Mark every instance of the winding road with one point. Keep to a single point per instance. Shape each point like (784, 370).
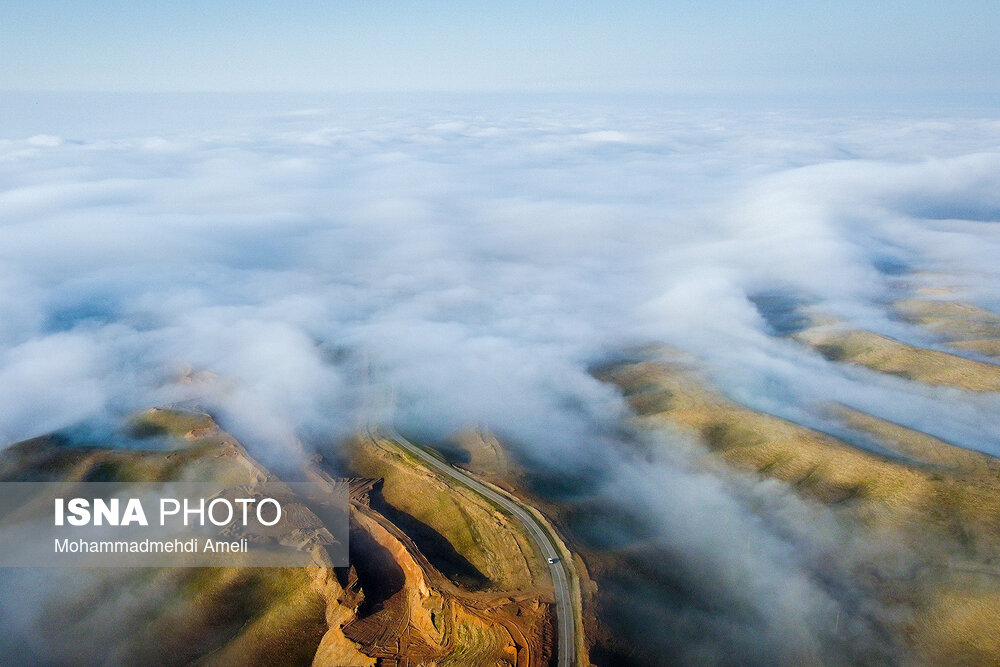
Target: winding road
(566, 650)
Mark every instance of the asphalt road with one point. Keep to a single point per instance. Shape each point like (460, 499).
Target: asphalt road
(566, 650)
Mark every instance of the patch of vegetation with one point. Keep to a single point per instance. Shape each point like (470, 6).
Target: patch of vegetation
(887, 355)
(172, 616)
(940, 502)
(174, 423)
(434, 507)
(966, 325)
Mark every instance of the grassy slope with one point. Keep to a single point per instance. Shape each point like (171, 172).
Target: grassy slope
(942, 501)
(217, 616)
(968, 327)
(887, 355)
(492, 542)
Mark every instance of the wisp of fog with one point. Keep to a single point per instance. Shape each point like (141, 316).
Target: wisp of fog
(259, 258)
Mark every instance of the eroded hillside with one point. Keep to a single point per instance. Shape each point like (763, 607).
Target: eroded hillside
(483, 601)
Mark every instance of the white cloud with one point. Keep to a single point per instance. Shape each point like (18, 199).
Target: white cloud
(483, 258)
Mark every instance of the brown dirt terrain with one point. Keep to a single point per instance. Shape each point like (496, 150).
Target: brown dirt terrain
(480, 544)
(494, 605)
(489, 460)
(392, 606)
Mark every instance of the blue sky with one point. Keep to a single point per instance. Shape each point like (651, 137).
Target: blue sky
(686, 45)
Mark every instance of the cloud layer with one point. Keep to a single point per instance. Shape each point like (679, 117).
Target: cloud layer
(481, 256)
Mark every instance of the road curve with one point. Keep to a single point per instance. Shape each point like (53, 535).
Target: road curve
(566, 649)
